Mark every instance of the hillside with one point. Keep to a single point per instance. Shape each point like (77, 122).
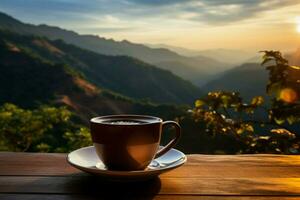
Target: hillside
(125, 75)
(210, 68)
(193, 67)
(24, 81)
(249, 79)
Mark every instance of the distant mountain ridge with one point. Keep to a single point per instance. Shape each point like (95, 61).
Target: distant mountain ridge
(180, 50)
(200, 76)
(91, 42)
(195, 69)
(229, 57)
(248, 79)
(125, 75)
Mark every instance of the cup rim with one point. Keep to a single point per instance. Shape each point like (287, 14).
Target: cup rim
(95, 120)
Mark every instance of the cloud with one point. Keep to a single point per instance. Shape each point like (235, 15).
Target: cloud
(212, 11)
(125, 14)
(235, 10)
(189, 23)
(158, 2)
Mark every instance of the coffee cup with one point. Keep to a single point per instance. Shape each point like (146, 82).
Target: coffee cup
(130, 142)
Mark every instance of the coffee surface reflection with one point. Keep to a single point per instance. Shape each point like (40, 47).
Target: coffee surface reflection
(124, 122)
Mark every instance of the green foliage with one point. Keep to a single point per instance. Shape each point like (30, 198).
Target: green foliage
(43, 129)
(226, 113)
(77, 139)
(216, 105)
(284, 83)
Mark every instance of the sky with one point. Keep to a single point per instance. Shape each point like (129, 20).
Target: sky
(194, 24)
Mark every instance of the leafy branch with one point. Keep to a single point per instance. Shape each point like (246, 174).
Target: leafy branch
(226, 112)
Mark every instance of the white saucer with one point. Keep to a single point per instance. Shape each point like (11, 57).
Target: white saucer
(87, 160)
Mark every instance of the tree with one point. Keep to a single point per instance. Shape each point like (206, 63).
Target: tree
(259, 127)
(43, 129)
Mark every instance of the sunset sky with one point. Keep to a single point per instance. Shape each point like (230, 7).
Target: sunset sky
(194, 24)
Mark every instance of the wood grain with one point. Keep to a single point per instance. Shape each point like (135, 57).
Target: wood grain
(204, 186)
(208, 166)
(158, 197)
(207, 177)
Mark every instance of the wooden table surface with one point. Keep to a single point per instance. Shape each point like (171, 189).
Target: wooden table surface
(206, 177)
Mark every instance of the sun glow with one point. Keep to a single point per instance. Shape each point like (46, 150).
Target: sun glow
(288, 95)
(298, 24)
(298, 27)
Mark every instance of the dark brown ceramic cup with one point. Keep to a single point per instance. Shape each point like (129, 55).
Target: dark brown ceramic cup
(129, 142)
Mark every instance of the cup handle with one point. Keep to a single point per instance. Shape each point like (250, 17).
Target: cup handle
(173, 142)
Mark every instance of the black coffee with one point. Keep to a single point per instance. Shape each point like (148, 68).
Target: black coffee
(124, 122)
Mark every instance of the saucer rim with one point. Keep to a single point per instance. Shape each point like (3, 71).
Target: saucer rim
(106, 172)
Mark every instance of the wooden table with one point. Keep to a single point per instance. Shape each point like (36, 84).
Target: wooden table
(205, 177)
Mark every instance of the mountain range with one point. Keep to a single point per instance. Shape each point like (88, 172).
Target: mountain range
(248, 79)
(28, 80)
(211, 77)
(197, 69)
(229, 57)
(121, 74)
